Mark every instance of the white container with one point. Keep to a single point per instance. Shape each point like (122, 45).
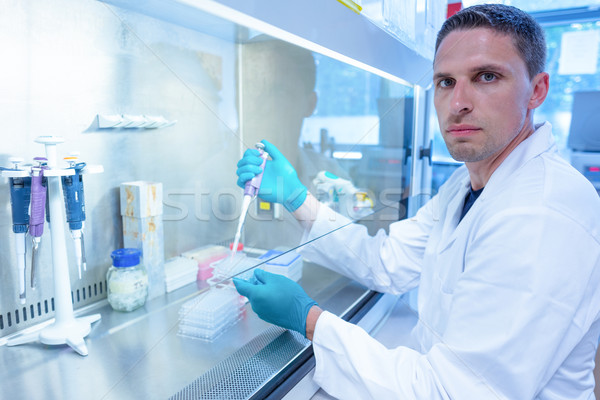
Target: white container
(180, 271)
(127, 281)
(288, 264)
(141, 199)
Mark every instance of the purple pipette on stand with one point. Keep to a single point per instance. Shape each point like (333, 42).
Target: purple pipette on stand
(250, 192)
(38, 209)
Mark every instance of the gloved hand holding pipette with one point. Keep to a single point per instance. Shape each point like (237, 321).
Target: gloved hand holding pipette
(280, 183)
(251, 188)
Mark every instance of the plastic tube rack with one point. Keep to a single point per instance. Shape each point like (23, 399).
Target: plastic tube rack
(66, 329)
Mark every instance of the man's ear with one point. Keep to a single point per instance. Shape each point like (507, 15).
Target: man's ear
(311, 104)
(540, 84)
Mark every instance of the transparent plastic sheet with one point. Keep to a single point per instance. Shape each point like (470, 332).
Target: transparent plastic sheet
(218, 306)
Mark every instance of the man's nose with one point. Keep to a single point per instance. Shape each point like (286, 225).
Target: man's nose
(461, 101)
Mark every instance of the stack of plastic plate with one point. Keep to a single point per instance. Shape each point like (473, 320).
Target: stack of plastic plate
(207, 316)
(180, 271)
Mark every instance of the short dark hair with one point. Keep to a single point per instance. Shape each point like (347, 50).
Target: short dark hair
(527, 34)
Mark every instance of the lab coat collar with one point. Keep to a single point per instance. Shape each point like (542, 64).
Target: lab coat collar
(454, 210)
(539, 142)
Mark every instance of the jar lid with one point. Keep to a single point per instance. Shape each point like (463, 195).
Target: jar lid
(126, 257)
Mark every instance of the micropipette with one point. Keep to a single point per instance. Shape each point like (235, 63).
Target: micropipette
(38, 208)
(20, 192)
(250, 192)
(75, 207)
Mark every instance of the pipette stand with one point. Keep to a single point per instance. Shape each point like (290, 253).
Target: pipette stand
(66, 329)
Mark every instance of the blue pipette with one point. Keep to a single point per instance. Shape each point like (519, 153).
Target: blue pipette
(75, 208)
(20, 193)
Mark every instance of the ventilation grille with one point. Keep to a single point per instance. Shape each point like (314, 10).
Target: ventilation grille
(30, 314)
(245, 371)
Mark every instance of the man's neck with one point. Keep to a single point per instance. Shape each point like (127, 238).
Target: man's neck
(481, 171)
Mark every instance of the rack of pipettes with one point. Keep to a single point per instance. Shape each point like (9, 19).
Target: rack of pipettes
(36, 192)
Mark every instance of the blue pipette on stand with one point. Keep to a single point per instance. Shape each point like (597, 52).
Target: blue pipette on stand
(20, 193)
(75, 208)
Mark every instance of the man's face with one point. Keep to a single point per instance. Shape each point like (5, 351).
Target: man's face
(482, 92)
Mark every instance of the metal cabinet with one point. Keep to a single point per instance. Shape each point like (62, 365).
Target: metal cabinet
(333, 92)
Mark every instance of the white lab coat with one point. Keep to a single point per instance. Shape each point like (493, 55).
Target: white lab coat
(509, 299)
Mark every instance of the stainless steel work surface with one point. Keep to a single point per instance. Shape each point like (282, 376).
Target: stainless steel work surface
(139, 354)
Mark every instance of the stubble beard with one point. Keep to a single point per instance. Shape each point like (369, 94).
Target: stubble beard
(467, 151)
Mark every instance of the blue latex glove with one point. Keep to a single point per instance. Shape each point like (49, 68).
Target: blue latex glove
(277, 299)
(280, 183)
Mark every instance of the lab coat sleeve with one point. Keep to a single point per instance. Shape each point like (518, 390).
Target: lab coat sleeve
(350, 364)
(514, 309)
(386, 263)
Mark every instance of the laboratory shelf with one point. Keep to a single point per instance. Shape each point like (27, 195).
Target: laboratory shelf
(334, 30)
(140, 355)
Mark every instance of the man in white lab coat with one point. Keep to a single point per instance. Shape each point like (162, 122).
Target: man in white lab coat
(506, 255)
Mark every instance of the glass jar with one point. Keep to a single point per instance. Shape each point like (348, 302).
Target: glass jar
(127, 280)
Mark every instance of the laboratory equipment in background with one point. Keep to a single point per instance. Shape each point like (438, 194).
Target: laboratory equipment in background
(126, 280)
(141, 210)
(38, 211)
(584, 135)
(250, 192)
(66, 329)
(342, 196)
(118, 121)
(267, 211)
(588, 163)
(20, 196)
(75, 208)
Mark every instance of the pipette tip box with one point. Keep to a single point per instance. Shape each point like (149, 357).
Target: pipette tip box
(179, 271)
(288, 264)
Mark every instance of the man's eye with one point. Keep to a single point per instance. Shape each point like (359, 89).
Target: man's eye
(446, 82)
(488, 77)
